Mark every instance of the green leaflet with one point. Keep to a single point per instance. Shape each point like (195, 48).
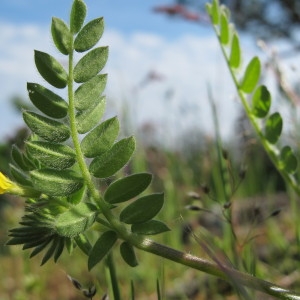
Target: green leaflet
(142, 209)
(51, 155)
(19, 176)
(150, 228)
(78, 196)
(261, 102)
(89, 35)
(50, 69)
(235, 53)
(288, 160)
(91, 64)
(101, 248)
(251, 76)
(273, 128)
(89, 92)
(114, 159)
(76, 220)
(77, 16)
(61, 36)
(46, 101)
(224, 29)
(56, 183)
(89, 118)
(127, 253)
(48, 129)
(83, 243)
(18, 158)
(215, 13)
(127, 188)
(101, 138)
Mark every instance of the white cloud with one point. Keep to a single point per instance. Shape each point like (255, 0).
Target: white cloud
(17, 67)
(187, 65)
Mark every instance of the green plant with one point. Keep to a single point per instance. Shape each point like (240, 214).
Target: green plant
(70, 149)
(268, 127)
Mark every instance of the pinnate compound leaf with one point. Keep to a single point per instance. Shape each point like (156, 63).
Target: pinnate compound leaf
(151, 227)
(56, 183)
(261, 102)
(48, 129)
(101, 138)
(142, 209)
(55, 156)
(61, 35)
(127, 253)
(251, 76)
(288, 160)
(235, 53)
(46, 101)
(101, 248)
(91, 64)
(128, 187)
(89, 118)
(89, 92)
(224, 29)
(76, 220)
(78, 14)
(273, 128)
(89, 35)
(114, 159)
(50, 69)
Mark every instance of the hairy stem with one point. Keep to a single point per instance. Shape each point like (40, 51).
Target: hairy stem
(217, 269)
(95, 194)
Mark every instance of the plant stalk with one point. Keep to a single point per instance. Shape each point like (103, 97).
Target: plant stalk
(217, 269)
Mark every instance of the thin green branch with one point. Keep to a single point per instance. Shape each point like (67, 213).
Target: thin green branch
(220, 270)
(271, 150)
(113, 276)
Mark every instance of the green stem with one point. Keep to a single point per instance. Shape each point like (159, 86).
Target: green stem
(113, 221)
(113, 276)
(217, 269)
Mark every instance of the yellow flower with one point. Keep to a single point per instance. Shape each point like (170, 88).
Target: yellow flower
(9, 187)
(5, 184)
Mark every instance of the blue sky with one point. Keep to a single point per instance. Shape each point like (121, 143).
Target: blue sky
(185, 54)
(126, 16)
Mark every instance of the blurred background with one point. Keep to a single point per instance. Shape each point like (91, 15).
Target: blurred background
(170, 87)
